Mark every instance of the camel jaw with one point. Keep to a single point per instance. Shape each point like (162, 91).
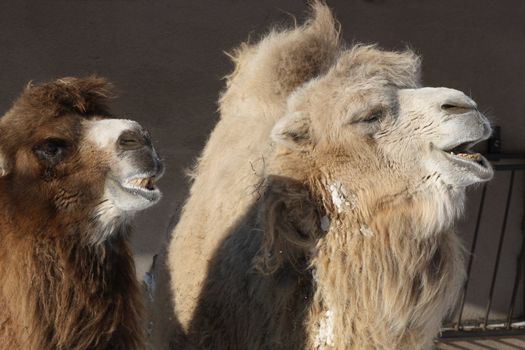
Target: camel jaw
(461, 156)
(134, 193)
(143, 186)
(475, 163)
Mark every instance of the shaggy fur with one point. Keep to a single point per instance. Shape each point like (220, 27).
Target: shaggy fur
(338, 234)
(255, 99)
(57, 289)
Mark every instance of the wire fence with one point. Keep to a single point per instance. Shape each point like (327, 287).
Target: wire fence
(509, 320)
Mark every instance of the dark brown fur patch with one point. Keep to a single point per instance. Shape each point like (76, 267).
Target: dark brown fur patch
(86, 96)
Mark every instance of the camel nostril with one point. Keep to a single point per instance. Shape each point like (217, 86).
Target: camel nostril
(457, 108)
(131, 140)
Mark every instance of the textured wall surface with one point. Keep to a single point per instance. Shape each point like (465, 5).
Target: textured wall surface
(166, 57)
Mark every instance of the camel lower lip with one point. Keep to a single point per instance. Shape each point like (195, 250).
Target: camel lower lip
(473, 162)
(143, 187)
(148, 194)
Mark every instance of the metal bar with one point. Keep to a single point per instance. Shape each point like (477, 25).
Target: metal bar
(519, 272)
(517, 279)
(500, 245)
(449, 334)
(471, 258)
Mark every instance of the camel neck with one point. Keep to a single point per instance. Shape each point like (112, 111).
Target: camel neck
(74, 295)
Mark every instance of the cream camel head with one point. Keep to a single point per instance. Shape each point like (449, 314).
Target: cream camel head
(381, 137)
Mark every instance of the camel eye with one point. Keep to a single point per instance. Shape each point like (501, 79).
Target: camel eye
(374, 116)
(51, 151)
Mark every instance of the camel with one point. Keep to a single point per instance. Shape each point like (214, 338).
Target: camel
(322, 209)
(71, 179)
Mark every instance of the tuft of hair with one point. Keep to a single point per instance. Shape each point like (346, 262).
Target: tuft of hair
(285, 59)
(400, 68)
(84, 96)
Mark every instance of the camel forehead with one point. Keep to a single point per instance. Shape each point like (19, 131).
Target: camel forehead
(343, 101)
(355, 83)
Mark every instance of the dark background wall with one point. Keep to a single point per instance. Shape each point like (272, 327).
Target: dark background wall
(167, 59)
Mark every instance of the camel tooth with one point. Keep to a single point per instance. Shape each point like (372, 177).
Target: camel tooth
(148, 182)
(470, 156)
(135, 182)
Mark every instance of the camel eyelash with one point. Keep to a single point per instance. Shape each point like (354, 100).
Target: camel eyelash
(374, 116)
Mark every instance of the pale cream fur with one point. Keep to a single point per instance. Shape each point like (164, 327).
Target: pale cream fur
(322, 209)
(254, 100)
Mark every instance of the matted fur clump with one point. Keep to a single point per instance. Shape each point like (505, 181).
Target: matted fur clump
(67, 279)
(322, 209)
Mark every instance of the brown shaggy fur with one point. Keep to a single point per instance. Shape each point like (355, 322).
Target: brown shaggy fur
(57, 290)
(336, 234)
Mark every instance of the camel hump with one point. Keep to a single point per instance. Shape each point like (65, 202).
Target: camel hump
(272, 68)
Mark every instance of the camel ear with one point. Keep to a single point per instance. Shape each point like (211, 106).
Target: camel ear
(293, 130)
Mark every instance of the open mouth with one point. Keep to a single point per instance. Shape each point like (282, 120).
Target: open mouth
(144, 186)
(147, 183)
(463, 151)
(470, 160)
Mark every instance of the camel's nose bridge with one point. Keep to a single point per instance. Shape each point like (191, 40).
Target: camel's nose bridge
(439, 101)
(117, 134)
